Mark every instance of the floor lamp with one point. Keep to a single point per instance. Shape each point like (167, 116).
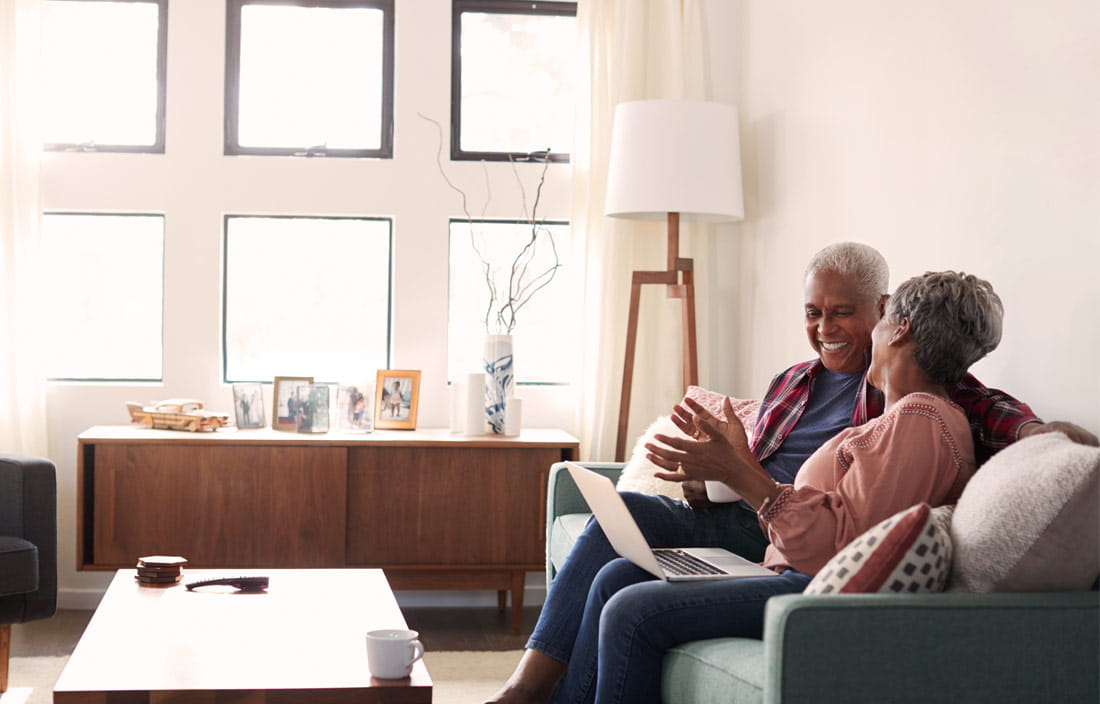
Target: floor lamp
(671, 160)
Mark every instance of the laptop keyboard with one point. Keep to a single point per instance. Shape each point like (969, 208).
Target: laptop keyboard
(681, 563)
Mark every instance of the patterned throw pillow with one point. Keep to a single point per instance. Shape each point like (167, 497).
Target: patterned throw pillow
(908, 553)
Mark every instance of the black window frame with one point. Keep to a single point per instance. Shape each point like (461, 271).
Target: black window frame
(503, 7)
(232, 146)
(158, 145)
(226, 217)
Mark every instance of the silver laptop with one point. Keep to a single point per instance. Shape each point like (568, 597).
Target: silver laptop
(671, 564)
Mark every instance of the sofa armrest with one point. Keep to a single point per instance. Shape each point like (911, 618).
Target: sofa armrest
(933, 648)
(563, 497)
(28, 511)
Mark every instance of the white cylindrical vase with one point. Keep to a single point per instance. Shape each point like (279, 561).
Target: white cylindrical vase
(473, 412)
(513, 416)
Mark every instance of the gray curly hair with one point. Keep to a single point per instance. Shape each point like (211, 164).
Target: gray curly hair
(859, 261)
(955, 319)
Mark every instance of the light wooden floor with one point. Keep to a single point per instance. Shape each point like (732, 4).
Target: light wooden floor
(441, 628)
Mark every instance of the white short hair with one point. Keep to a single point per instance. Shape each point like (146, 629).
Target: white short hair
(861, 262)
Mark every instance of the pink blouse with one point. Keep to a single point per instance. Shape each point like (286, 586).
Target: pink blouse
(919, 451)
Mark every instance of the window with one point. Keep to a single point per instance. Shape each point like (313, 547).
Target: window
(309, 78)
(306, 297)
(104, 80)
(497, 245)
(104, 298)
(512, 79)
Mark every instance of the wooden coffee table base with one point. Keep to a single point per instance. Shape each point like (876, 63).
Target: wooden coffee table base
(302, 641)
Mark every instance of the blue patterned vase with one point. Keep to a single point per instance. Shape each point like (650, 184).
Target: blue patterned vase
(500, 380)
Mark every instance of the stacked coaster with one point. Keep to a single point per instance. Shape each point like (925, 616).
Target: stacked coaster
(159, 570)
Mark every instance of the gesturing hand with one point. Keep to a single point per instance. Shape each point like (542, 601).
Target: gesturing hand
(695, 493)
(1074, 432)
(714, 453)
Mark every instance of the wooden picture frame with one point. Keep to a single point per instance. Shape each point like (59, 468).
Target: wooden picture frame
(248, 405)
(396, 399)
(284, 397)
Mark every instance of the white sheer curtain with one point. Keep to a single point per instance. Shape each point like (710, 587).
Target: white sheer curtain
(22, 383)
(633, 50)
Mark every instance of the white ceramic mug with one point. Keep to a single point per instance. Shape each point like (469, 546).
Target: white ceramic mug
(391, 652)
(720, 493)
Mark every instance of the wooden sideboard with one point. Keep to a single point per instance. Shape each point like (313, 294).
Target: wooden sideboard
(434, 510)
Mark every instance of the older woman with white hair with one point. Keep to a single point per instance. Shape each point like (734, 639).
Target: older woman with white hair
(919, 451)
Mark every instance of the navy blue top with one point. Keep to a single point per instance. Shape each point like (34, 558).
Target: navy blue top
(828, 411)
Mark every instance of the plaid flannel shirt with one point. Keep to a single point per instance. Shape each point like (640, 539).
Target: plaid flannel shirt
(995, 417)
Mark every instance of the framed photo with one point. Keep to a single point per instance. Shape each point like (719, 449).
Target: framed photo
(396, 397)
(311, 412)
(354, 408)
(284, 402)
(248, 405)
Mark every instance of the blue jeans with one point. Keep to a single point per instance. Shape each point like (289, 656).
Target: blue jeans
(631, 619)
(665, 523)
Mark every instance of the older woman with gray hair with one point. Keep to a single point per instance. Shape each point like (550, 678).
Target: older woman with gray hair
(920, 450)
(845, 286)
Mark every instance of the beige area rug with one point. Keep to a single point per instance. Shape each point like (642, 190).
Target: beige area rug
(31, 680)
(466, 677)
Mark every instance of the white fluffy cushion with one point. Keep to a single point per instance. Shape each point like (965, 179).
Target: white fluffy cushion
(908, 553)
(637, 475)
(1028, 520)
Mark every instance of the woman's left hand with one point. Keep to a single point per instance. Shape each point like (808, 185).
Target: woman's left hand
(714, 454)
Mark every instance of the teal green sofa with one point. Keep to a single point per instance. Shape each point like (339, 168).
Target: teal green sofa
(972, 648)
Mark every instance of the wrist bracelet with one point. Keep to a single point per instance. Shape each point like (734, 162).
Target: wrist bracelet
(767, 502)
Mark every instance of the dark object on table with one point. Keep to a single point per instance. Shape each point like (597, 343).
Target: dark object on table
(244, 584)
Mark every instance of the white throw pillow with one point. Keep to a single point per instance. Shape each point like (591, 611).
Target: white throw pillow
(1028, 520)
(637, 475)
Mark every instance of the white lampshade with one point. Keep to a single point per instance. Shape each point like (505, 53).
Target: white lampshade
(675, 156)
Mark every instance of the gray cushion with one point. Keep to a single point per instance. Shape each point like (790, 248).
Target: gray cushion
(717, 670)
(18, 566)
(1029, 520)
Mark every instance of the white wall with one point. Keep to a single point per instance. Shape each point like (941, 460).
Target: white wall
(946, 134)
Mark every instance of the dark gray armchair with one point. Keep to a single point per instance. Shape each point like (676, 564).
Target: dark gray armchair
(28, 546)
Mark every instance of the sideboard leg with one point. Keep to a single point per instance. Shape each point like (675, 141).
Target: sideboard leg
(518, 580)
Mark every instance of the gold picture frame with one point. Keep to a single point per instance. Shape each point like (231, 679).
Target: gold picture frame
(396, 399)
(284, 397)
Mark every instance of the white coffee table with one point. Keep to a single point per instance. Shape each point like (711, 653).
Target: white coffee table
(301, 641)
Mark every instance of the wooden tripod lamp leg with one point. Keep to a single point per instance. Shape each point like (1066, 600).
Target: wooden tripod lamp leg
(628, 367)
(691, 346)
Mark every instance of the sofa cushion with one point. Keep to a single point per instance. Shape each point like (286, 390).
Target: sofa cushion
(565, 532)
(18, 566)
(716, 670)
(1028, 520)
(908, 553)
(638, 473)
